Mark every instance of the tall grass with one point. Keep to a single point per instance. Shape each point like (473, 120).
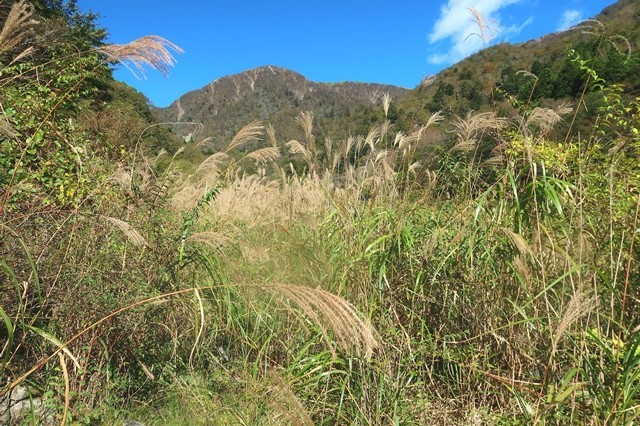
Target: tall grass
(492, 302)
(493, 282)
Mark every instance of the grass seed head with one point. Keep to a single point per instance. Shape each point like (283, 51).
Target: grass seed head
(132, 234)
(250, 132)
(153, 51)
(17, 26)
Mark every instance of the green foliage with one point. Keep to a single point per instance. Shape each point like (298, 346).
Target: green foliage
(44, 155)
(61, 108)
(499, 270)
(613, 385)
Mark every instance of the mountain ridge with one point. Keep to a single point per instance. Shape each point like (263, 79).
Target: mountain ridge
(251, 76)
(268, 93)
(538, 70)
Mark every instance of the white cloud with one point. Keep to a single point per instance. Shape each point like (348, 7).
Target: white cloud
(438, 58)
(516, 29)
(570, 17)
(457, 26)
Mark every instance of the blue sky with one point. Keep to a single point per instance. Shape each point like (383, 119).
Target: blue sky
(394, 41)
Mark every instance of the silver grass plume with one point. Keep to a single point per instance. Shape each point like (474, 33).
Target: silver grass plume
(17, 26)
(154, 51)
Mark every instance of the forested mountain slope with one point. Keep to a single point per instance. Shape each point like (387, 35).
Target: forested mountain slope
(539, 70)
(271, 94)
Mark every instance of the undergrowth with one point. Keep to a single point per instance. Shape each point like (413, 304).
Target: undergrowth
(494, 281)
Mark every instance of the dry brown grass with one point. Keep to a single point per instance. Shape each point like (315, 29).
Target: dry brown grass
(385, 127)
(473, 127)
(212, 238)
(187, 191)
(271, 135)
(17, 26)
(307, 148)
(581, 303)
(253, 254)
(250, 132)
(153, 51)
(131, 233)
(259, 199)
(518, 242)
(386, 102)
(187, 197)
(329, 312)
(6, 129)
(546, 119)
(211, 163)
(371, 140)
(264, 155)
(486, 31)
(332, 313)
(296, 147)
(204, 143)
(254, 199)
(285, 402)
(67, 396)
(305, 120)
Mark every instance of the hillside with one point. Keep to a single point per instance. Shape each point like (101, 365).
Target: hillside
(540, 69)
(268, 93)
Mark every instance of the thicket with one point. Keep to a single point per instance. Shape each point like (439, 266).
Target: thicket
(403, 276)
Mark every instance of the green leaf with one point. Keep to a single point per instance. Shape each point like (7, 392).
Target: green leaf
(6, 349)
(54, 340)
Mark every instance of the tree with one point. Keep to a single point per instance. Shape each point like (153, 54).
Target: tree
(472, 91)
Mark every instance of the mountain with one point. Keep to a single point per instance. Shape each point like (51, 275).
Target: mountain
(536, 72)
(271, 94)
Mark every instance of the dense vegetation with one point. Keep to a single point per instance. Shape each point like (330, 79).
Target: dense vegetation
(271, 93)
(487, 274)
